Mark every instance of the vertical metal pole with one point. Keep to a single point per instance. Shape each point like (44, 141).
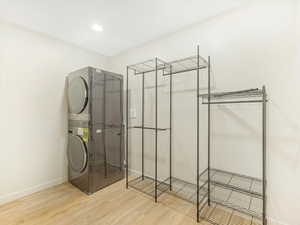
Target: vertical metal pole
(127, 125)
(143, 123)
(171, 89)
(156, 129)
(208, 141)
(198, 65)
(121, 122)
(104, 127)
(264, 153)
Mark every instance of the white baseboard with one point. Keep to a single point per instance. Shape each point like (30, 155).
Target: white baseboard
(272, 221)
(133, 172)
(19, 194)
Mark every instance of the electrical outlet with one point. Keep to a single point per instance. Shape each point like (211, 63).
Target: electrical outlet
(132, 113)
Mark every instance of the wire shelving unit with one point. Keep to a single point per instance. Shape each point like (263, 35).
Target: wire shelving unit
(213, 188)
(180, 188)
(148, 185)
(234, 191)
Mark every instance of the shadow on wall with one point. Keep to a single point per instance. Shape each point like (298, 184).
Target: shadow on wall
(289, 136)
(235, 116)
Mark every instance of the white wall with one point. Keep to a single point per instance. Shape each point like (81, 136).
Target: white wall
(250, 46)
(33, 113)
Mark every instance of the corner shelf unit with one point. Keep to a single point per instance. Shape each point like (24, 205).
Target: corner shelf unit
(237, 192)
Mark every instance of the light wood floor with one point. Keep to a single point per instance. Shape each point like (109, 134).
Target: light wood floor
(115, 205)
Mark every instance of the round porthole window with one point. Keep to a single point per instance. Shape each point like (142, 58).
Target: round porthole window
(77, 153)
(77, 95)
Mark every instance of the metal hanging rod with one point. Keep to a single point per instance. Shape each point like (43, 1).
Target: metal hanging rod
(248, 93)
(233, 102)
(150, 128)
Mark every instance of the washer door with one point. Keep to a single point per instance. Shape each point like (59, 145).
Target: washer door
(77, 95)
(77, 153)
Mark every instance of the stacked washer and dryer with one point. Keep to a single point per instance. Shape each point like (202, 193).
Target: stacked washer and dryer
(95, 140)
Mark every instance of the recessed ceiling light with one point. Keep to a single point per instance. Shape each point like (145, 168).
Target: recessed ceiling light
(97, 27)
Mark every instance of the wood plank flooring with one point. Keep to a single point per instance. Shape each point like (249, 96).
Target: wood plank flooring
(114, 205)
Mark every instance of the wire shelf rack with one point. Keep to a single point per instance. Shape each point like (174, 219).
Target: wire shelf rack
(236, 193)
(185, 65)
(148, 66)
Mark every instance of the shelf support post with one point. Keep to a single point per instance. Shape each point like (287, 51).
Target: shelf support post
(209, 132)
(143, 122)
(171, 90)
(121, 125)
(264, 153)
(198, 99)
(104, 127)
(156, 133)
(127, 125)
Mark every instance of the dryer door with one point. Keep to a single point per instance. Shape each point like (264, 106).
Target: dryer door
(77, 153)
(77, 95)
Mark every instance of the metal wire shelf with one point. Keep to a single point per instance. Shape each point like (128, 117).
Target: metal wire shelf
(235, 191)
(233, 181)
(173, 67)
(183, 190)
(146, 185)
(235, 202)
(216, 214)
(185, 65)
(147, 66)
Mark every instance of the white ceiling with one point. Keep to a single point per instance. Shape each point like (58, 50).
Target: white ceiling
(126, 23)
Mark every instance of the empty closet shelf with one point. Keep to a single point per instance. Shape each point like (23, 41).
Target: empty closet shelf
(147, 66)
(146, 185)
(237, 182)
(185, 65)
